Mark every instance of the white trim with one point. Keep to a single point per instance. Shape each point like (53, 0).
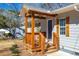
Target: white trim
(47, 30)
(59, 26)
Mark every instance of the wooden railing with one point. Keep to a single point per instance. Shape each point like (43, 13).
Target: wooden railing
(56, 40)
(39, 43)
(55, 46)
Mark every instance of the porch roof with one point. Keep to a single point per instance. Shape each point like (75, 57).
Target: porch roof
(40, 12)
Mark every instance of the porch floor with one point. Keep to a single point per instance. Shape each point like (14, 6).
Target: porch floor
(59, 53)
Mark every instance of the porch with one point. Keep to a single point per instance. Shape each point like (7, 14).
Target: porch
(37, 41)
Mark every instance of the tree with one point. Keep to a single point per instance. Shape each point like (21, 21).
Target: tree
(9, 20)
(17, 21)
(3, 21)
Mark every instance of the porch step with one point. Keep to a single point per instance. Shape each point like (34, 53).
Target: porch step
(51, 51)
(53, 47)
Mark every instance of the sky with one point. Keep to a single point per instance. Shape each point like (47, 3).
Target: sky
(18, 6)
(13, 6)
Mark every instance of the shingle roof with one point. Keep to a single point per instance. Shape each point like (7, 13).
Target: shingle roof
(47, 6)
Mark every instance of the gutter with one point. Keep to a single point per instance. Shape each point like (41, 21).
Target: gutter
(65, 9)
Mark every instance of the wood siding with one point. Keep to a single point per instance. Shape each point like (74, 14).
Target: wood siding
(67, 26)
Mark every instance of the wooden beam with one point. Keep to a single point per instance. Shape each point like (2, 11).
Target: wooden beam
(26, 25)
(57, 32)
(41, 13)
(37, 16)
(33, 25)
(39, 40)
(57, 25)
(67, 32)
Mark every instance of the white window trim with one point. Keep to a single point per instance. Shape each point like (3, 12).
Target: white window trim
(62, 26)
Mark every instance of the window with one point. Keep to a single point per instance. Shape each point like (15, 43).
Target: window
(62, 26)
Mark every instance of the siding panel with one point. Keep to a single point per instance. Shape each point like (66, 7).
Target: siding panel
(71, 42)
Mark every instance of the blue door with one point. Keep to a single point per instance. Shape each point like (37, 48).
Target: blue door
(49, 29)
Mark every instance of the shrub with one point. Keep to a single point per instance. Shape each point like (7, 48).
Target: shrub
(14, 50)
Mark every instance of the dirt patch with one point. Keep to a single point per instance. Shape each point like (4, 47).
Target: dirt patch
(6, 44)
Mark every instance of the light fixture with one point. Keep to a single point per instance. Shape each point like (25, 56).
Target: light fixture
(48, 11)
(76, 8)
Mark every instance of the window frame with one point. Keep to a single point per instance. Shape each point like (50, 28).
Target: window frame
(62, 26)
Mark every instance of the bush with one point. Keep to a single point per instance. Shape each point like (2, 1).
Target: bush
(14, 50)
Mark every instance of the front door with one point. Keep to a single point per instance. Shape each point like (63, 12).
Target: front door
(50, 29)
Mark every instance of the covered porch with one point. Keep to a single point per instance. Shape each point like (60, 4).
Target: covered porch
(37, 41)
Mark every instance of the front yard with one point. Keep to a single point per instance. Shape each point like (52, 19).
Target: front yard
(5, 46)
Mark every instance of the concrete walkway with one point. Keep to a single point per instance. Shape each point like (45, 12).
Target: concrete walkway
(60, 53)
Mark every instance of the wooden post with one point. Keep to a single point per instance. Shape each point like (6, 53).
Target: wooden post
(56, 40)
(33, 25)
(57, 32)
(67, 32)
(39, 40)
(42, 43)
(26, 25)
(57, 25)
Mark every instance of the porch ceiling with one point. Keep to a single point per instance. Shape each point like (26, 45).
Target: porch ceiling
(38, 12)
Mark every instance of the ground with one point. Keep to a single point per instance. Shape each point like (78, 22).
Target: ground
(6, 44)
(60, 53)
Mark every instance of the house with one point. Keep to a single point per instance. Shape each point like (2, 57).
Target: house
(59, 26)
